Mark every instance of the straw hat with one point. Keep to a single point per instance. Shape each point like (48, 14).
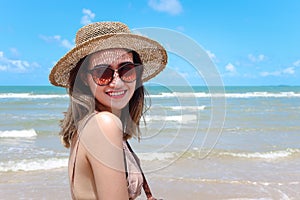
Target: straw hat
(106, 35)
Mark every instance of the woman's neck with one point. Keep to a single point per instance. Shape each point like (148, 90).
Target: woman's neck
(116, 112)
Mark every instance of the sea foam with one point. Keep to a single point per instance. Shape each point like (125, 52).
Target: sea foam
(166, 95)
(157, 156)
(227, 95)
(271, 155)
(173, 118)
(33, 164)
(18, 133)
(30, 96)
(188, 107)
(54, 163)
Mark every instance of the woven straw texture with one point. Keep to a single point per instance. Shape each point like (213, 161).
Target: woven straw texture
(106, 35)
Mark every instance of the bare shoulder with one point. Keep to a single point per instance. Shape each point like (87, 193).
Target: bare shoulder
(102, 142)
(102, 129)
(107, 119)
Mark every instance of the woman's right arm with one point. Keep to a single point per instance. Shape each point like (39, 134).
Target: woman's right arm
(103, 140)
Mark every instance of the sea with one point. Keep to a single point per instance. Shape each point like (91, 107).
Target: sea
(233, 142)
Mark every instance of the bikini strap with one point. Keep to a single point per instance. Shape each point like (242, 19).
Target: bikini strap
(145, 184)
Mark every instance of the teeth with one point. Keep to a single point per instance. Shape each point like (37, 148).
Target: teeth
(116, 93)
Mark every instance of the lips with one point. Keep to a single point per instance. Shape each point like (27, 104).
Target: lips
(116, 93)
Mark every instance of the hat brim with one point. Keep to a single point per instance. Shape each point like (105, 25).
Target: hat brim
(152, 54)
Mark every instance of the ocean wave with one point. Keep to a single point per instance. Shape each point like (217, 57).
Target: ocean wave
(18, 133)
(196, 153)
(33, 164)
(180, 94)
(262, 94)
(237, 182)
(175, 118)
(157, 156)
(187, 107)
(271, 155)
(166, 95)
(227, 95)
(31, 96)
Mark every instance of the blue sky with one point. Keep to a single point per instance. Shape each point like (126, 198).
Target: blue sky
(251, 42)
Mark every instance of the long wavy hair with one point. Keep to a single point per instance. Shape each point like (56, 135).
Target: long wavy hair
(83, 103)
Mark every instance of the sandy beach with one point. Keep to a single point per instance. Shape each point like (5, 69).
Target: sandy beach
(184, 179)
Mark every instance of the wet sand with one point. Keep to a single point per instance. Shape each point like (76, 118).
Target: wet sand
(185, 179)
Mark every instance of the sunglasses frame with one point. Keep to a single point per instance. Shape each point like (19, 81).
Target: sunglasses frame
(115, 71)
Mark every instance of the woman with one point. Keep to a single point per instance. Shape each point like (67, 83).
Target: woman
(104, 74)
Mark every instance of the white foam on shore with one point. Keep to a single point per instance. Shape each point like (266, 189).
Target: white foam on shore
(33, 165)
(227, 95)
(156, 156)
(54, 163)
(18, 133)
(175, 118)
(271, 155)
(31, 96)
(188, 107)
(166, 95)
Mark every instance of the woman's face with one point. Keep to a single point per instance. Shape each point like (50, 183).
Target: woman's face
(117, 93)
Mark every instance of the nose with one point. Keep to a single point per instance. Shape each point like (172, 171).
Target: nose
(116, 82)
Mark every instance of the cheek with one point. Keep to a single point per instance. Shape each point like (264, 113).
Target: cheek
(100, 96)
(132, 87)
(94, 89)
(131, 90)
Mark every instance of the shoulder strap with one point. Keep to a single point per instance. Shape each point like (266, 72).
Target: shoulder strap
(145, 184)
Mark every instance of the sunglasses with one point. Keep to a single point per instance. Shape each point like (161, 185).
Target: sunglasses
(103, 74)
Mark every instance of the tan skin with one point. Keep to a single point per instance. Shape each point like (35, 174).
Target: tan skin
(100, 151)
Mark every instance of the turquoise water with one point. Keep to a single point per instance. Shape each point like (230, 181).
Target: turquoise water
(242, 131)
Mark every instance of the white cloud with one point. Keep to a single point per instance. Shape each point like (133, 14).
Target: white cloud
(19, 66)
(211, 55)
(258, 58)
(230, 68)
(288, 71)
(172, 7)
(87, 17)
(66, 43)
(296, 63)
(54, 38)
(14, 51)
(3, 68)
(275, 73)
(57, 39)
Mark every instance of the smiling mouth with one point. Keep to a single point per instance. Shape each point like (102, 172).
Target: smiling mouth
(116, 93)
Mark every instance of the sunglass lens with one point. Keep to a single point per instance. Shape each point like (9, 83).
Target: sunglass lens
(102, 75)
(127, 72)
